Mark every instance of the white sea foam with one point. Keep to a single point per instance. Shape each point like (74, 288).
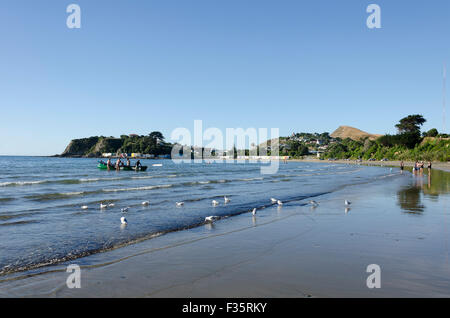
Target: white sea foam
(21, 183)
(139, 188)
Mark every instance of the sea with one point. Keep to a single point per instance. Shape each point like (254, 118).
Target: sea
(42, 222)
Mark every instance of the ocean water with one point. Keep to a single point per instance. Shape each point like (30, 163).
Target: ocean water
(42, 223)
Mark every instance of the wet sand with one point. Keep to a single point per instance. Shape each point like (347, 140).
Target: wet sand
(400, 223)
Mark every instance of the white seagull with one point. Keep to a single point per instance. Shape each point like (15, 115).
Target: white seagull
(145, 203)
(313, 203)
(123, 220)
(180, 203)
(226, 199)
(347, 202)
(84, 207)
(103, 206)
(211, 219)
(254, 211)
(111, 205)
(214, 202)
(279, 202)
(273, 200)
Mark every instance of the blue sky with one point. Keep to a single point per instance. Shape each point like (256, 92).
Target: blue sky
(143, 65)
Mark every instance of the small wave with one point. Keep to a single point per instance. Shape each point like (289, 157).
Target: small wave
(18, 223)
(21, 183)
(251, 179)
(89, 180)
(153, 177)
(75, 181)
(5, 217)
(139, 188)
(53, 196)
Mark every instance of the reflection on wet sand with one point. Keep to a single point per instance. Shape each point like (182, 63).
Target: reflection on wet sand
(409, 199)
(438, 183)
(431, 185)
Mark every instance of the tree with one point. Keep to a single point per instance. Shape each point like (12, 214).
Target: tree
(410, 124)
(432, 133)
(407, 139)
(156, 135)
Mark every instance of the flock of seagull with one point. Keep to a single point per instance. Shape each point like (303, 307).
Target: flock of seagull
(208, 219)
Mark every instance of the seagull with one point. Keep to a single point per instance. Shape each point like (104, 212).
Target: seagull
(123, 220)
(273, 200)
(103, 206)
(111, 205)
(211, 219)
(84, 207)
(180, 203)
(346, 210)
(254, 211)
(214, 202)
(125, 209)
(313, 203)
(226, 199)
(347, 202)
(145, 203)
(279, 202)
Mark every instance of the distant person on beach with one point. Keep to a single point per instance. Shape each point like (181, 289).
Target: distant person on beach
(108, 163)
(128, 162)
(429, 166)
(402, 166)
(421, 167)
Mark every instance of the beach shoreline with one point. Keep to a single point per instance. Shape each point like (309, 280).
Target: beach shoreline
(444, 166)
(290, 251)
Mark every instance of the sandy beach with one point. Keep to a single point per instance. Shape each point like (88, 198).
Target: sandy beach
(445, 166)
(399, 222)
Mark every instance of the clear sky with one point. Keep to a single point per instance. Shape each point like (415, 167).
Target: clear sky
(143, 65)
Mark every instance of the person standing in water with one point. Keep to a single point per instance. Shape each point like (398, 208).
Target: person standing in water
(402, 166)
(108, 163)
(128, 162)
(429, 175)
(138, 164)
(118, 164)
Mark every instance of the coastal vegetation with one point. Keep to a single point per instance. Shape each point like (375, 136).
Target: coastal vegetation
(344, 143)
(407, 144)
(152, 143)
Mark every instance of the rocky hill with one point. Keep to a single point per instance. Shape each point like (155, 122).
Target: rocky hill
(91, 147)
(344, 132)
(152, 143)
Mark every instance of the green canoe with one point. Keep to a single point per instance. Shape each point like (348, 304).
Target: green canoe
(103, 166)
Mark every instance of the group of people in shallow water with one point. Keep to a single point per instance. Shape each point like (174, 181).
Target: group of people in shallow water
(119, 164)
(418, 167)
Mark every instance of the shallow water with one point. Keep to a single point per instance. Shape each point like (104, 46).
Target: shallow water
(42, 223)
